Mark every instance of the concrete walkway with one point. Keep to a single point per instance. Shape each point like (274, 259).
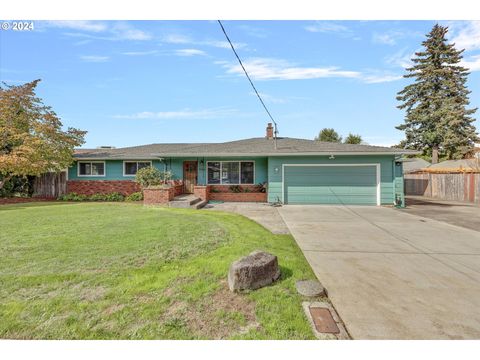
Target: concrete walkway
(392, 275)
(453, 212)
(262, 213)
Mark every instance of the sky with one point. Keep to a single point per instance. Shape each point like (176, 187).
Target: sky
(139, 82)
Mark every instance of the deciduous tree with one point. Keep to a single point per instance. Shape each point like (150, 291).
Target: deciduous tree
(32, 141)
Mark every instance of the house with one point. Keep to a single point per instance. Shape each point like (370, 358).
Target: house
(411, 165)
(455, 166)
(293, 171)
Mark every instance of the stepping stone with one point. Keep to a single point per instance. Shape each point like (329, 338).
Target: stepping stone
(310, 288)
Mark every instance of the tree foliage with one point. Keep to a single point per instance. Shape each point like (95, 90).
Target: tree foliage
(353, 139)
(329, 135)
(32, 141)
(437, 120)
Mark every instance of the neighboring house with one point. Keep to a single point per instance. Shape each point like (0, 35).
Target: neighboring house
(453, 166)
(411, 165)
(295, 171)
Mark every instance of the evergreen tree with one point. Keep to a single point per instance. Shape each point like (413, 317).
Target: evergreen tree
(437, 120)
(328, 135)
(353, 139)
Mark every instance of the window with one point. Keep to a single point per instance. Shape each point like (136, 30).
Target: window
(230, 172)
(130, 168)
(91, 168)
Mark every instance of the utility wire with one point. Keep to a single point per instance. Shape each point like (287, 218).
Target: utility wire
(251, 82)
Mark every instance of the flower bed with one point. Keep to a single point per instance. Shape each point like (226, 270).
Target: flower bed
(235, 193)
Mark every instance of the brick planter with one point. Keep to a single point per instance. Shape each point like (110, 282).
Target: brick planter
(202, 191)
(158, 196)
(238, 197)
(224, 193)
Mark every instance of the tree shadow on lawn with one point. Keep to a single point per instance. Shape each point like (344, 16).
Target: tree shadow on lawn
(33, 204)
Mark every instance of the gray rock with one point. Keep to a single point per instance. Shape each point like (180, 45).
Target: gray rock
(253, 271)
(310, 288)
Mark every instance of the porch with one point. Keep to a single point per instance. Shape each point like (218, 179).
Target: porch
(226, 180)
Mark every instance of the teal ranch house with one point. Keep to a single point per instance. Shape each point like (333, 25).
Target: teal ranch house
(263, 169)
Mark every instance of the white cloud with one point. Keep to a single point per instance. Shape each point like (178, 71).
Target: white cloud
(140, 53)
(387, 39)
(465, 34)
(472, 63)
(125, 31)
(189, 52)
(327, 27)
(179, 114)
(274, 69)
(81, 25)
(177, 39)
(380, 78)
(94, 58)
(402, 58)
(183, 39)
(114, 30)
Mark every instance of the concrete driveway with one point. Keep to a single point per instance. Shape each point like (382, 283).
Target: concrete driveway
(392, 275)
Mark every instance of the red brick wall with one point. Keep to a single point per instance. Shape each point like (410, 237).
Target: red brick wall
(90, 187)
(158, 196)
(202, 191)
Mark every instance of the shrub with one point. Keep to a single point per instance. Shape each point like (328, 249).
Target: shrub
(17, 186)
(235, 189)
(73, 197)
(136, 196)
(115, 196)
(95, 197)
(151, 176)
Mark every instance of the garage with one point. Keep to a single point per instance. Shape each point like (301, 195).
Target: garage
(339, 184)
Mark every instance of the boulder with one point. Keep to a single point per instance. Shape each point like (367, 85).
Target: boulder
(253, 271)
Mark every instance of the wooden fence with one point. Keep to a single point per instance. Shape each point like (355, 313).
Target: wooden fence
(449, 186)
(50, 185)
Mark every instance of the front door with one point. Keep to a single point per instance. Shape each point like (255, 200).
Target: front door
(189, 176)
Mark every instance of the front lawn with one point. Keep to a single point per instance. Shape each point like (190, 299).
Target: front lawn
(124, 271)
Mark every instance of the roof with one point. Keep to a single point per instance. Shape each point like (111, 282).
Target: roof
(455, 166)
(414, 164)
(250, 147)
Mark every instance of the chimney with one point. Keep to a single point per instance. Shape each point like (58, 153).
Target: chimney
(269, 134)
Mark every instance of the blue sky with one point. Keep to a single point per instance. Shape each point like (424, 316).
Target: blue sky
(139, 82)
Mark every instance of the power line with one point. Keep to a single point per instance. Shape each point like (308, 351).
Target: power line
(251, 82)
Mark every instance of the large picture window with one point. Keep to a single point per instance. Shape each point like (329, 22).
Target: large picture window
(230, 172)
(91, 168)
(130, 168)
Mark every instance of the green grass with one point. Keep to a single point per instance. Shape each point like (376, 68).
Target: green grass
(124, 271)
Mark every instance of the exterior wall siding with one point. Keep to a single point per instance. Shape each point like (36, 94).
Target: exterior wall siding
(387, 173)
(114, 168)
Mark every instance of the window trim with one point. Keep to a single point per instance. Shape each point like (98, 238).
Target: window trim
(239, 172)
(91, 162)
(133, 161)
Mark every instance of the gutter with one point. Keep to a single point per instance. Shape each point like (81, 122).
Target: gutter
(324, 153)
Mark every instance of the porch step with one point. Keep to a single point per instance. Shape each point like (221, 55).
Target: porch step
(200, 204)
(185, 201)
